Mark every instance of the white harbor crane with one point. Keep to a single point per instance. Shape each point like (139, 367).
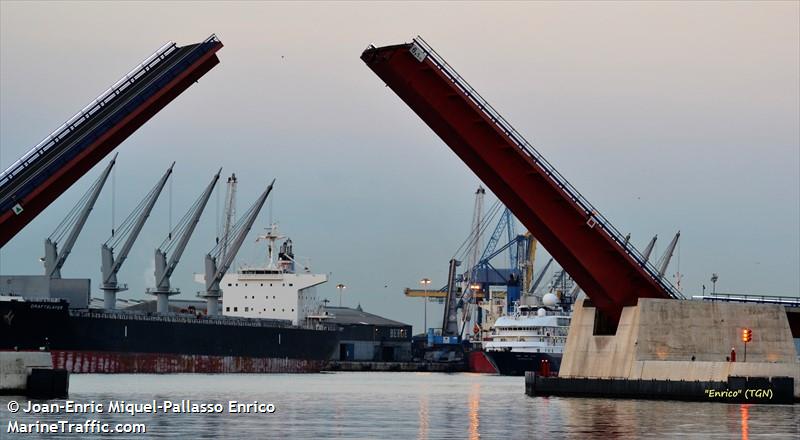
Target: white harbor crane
(183, 230)
(450, 319)
(214, 271)
(477, 230)
(74, 222)
(130, 228)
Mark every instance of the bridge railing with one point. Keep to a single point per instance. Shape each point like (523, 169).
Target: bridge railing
(791, 301)
(593, 214)
(72, 123)
(88, 111)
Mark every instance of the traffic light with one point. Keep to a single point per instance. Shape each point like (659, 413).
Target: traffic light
(747, 335)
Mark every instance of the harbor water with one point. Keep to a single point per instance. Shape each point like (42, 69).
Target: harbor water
(371, 405)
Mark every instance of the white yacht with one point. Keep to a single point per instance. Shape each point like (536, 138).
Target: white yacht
(521, 341)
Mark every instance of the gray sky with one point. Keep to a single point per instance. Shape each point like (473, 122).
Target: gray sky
(665, 115)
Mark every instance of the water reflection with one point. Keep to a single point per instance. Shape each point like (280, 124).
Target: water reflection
(423, 417)
(745, 410)
(474, 405)
(403, 405)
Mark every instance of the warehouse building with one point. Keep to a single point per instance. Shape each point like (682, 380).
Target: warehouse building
(367, 337)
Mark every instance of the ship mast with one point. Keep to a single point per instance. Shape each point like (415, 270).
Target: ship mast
(272, 236)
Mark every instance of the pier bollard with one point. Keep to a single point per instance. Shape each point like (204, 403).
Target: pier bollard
(48, 383)
(530, 383)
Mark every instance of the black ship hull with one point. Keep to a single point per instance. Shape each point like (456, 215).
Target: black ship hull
(96, 341)
(515, 363)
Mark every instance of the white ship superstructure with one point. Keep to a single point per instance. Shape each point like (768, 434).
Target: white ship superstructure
(274, 291)
(529, 330)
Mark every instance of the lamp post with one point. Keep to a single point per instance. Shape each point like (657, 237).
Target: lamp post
(425, 282)
(341, 287)
(714, 278)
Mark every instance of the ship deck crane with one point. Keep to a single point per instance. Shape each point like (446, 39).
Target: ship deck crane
(613, 273)
(184, 230)
(230, 212)
(129, 230)
(214, 269)
(667, 257)
(649, 249)
(53, 260)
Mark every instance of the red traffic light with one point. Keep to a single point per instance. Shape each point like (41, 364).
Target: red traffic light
(747, 335)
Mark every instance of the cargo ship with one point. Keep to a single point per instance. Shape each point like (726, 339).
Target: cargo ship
(243, 339)
(105, 341)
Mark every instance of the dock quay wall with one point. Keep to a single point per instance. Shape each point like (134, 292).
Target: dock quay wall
(691, 341)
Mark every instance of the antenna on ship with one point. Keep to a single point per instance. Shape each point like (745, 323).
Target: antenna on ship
(272, 236)
(217, 266)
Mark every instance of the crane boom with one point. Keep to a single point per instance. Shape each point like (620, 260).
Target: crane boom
(649, 249)
(189, 229)
(662, 269)
(53, 260)
(164, 269)
(541, 276)
(449, 320)
(237, 243)
(498, 231)
(109, 265)
(214, 272)
(230, 212)
(530, 260)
